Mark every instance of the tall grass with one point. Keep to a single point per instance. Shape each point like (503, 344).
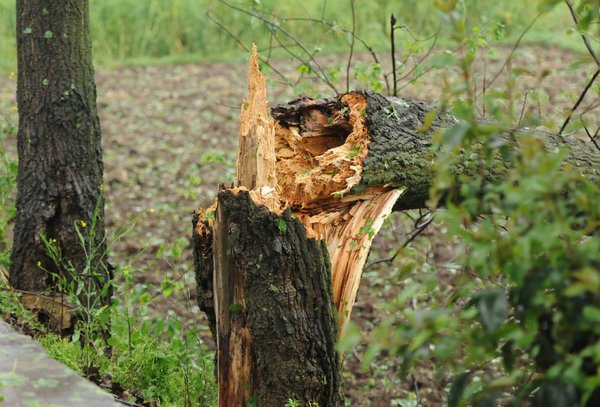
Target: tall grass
(8, 46)
(125, 30)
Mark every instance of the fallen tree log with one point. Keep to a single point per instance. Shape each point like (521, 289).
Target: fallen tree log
(278, 258)
(399, 147)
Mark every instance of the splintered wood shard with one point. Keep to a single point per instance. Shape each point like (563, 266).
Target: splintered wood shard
(310, 159)
(349, 242)
(320, 148)
(256, 159)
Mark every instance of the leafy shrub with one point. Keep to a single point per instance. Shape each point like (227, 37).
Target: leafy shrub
(518, 323)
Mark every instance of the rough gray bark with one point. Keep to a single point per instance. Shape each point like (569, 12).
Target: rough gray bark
(402, 156)
(276, 327)
(59, 144)
(203, 264)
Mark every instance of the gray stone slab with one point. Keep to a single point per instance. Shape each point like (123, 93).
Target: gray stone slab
(30, 378)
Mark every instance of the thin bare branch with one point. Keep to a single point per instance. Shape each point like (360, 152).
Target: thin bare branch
(393, 52)
(523, 109)
(579, 100)
(345, 31)
(245, 48)
(416, 390)
(592, 138)
(512, 52)
(420, 61)
(312, 61)
(351, 46)
(421, 223)
(324, 9)
(584, 36)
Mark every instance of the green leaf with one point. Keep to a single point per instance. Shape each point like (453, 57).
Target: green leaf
(304, 69)
(427, 121)
(454, 135)
(282, 226)
(252, 402)
(492, 306)
(591, 313)
(459, 384)
(236, 308)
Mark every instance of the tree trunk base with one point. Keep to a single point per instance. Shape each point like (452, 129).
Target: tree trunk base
(275, 325)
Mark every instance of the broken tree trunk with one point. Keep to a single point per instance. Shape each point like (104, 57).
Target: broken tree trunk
(276, 329)
(279, 258)
(265, 284)
(399, 152)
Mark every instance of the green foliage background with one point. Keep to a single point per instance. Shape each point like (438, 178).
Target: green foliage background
(179, 30)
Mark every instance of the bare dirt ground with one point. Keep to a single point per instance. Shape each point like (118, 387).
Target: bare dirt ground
(170, 137)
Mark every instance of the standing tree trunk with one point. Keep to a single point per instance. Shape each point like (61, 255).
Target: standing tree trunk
(59, 147)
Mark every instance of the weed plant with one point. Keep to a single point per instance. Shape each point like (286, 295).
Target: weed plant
(162, 359)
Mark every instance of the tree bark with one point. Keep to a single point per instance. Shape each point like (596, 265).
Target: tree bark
(59, 148)
(264, 283)
(400, 151)
(276, 330)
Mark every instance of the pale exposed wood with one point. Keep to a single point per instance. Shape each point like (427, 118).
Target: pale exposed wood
(256, 160)
(349, 233)
(321, 162)
(349, 245)
(318, 163)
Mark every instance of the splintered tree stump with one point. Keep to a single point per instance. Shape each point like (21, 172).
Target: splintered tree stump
(279, 257)
(275, 319)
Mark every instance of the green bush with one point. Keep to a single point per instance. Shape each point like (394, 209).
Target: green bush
(523, 322)
(515, 319)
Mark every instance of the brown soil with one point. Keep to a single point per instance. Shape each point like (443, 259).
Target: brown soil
(170, 137)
